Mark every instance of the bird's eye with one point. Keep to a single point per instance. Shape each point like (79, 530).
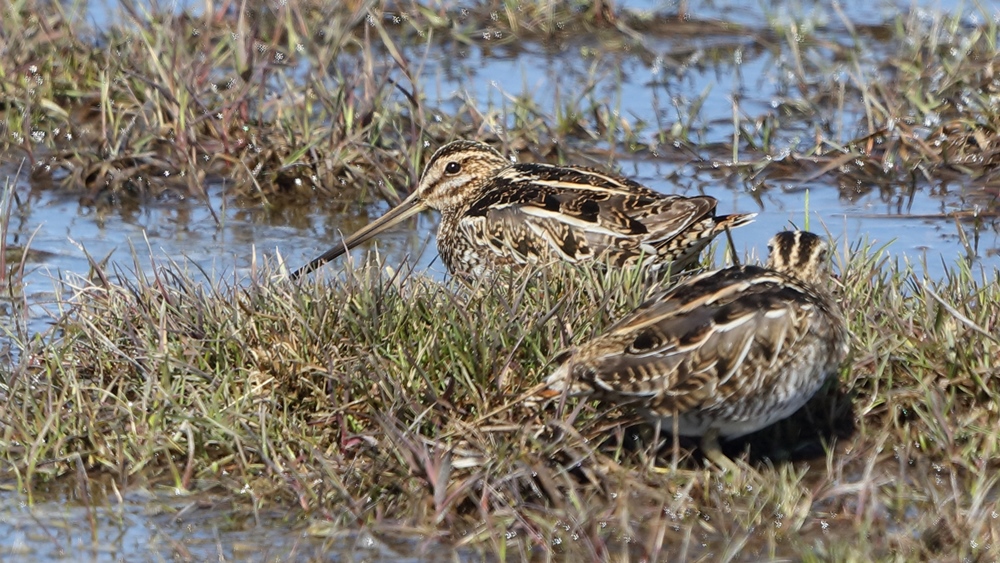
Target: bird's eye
(452, 168)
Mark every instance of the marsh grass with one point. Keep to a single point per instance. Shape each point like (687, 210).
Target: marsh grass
(165, 102)
(291, 101)
(312, 99)
(906, 105)
(384, 400)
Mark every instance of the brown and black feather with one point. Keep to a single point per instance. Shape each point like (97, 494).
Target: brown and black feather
(527, 213)
(497, 214)
(734, 349)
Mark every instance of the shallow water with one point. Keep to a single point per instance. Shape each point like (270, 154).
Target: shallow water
(649, 89)
(145, 526)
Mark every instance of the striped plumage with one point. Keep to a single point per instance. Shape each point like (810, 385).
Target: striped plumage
(496, 214)
(728, 352)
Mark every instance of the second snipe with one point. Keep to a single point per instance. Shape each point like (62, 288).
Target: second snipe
(496, 214)
(724, 353)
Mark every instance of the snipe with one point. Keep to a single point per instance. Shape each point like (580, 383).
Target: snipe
(496, 214)
(727, 352)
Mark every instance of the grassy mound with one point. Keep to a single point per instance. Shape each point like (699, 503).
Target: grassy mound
(388, 400)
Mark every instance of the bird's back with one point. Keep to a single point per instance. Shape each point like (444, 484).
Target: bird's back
(733, 348)
(530, 213)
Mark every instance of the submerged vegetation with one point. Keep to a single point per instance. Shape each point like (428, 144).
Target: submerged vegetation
(376, 398)
(310, 98)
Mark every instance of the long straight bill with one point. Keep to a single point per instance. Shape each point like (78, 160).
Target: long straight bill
(408, 208)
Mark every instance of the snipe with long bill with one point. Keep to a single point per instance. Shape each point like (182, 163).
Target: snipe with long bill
(497, 214)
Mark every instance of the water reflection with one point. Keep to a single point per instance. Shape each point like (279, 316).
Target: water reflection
(142, 525)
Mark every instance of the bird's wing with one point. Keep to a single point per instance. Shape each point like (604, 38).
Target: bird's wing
(700, 343)
(538, 212)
